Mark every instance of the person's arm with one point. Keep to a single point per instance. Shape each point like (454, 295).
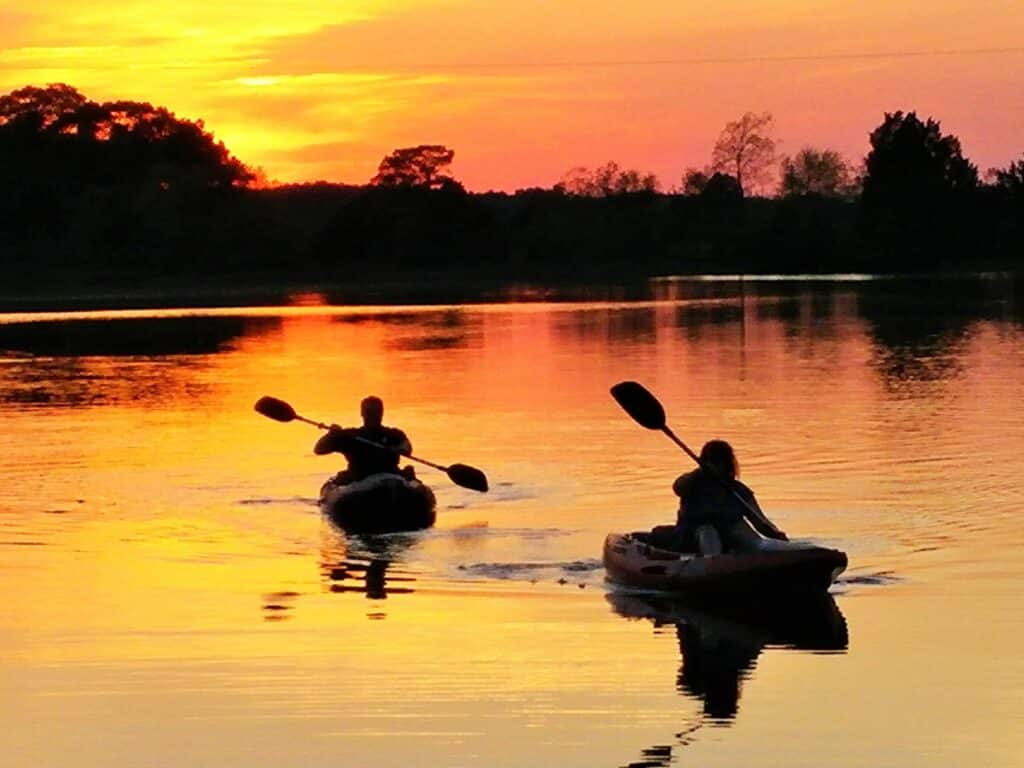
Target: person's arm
(333, 440)
(760, 520)
(681, 486)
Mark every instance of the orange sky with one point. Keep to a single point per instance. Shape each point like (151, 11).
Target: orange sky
(525, 90)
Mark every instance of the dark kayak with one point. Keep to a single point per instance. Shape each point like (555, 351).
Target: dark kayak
(381, 503)
(775, 567)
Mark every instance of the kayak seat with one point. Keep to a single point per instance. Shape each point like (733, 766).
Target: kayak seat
(667, 537)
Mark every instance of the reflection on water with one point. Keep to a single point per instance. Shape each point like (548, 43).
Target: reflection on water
(373, 578)
(360, 564)
(131, 336)
(368, 565)
(866, 417)
(719, 645)
(421, 330)
(79, 363)
(278, 606)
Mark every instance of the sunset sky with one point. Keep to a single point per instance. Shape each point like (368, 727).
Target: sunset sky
(525, 90)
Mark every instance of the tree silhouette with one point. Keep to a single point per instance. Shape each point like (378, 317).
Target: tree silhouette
(121, 191)
(722, 188)
(694, 181)
(423, 166)
(918, 189)
(606, 181)
(54, 135)
(745, 150)
(1010, 180)
(1006, 202)
(118, 188)
(815, 172)
(42, 105)
(910, 158)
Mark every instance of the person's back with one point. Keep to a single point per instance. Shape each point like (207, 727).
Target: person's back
(715, 507)
(365, 459)
(708, 511)
(707, 500)
(371, 448)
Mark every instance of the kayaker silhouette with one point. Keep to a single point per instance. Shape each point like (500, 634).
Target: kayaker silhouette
(369, 449)
(711, 519)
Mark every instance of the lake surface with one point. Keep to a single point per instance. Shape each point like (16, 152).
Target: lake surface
(173, 597)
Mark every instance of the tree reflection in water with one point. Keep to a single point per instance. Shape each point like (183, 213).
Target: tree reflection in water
(77, 363)
(720, 643)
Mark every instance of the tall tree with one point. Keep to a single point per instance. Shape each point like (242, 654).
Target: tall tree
(815, 172)
(911, 157)
(745, 150)
(918, 198)
(425, 165)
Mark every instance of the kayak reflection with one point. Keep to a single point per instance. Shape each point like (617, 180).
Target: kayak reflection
(719, 644)
(361, 563)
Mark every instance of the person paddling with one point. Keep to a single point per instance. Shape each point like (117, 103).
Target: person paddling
(709, 514)
(369, 449)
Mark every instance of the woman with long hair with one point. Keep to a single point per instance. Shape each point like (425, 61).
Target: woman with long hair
(710, 514)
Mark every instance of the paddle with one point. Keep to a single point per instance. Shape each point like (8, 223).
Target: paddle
(460, 474)
(648, 412)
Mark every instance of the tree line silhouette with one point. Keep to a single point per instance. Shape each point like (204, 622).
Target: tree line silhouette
(119, 192)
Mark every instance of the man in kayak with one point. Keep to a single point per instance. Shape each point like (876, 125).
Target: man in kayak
(370, 449)
(711, 513)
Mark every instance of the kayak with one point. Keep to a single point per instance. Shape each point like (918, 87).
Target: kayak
(380, 503)
(774, 567)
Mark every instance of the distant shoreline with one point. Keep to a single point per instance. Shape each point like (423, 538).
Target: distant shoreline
(430, 288)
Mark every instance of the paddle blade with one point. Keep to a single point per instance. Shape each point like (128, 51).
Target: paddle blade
(468, 477)
(275, 409)
(640, 404)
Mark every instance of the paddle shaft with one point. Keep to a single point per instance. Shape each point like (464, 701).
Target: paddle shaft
(645, 410)
(407, 455)
(460, 474)
(318, 424)
(365, 441)
(711, 471)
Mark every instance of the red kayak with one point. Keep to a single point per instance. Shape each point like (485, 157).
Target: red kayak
(774, 567)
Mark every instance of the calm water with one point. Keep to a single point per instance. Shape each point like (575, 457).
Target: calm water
(173, 598)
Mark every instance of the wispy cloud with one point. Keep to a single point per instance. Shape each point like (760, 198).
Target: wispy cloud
(522, 90)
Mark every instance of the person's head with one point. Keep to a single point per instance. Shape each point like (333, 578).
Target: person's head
(372, 410)
(719, 454)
